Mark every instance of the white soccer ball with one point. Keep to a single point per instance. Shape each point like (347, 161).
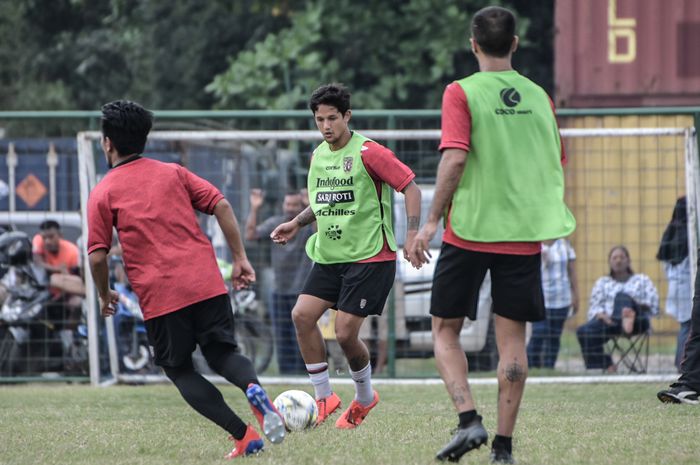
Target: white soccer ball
(298, 409)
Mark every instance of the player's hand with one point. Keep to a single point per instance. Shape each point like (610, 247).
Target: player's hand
(243, 273)
(256, 198)
(409, 252)
(108, 306)
(284, 232)
(421, 243)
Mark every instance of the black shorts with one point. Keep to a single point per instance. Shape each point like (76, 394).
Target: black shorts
(174, 335)
(357, 288)
(516, 284)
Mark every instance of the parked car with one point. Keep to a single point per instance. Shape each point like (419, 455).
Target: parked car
(412, 291)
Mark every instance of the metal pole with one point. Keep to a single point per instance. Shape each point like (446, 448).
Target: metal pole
(11, 166)
(85, 151)
(52, 162)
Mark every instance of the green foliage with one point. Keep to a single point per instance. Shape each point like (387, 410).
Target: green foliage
(78, 54)
(398, 56)
(247, 54)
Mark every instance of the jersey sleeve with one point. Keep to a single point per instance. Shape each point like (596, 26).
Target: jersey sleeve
(100, 222)
(456, 120)
(382, 165)
(203, 194)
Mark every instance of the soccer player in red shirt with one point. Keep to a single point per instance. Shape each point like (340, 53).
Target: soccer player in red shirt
(172, 268)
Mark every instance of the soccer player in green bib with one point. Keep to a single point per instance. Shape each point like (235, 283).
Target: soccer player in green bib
(500, 185)
(353, 250)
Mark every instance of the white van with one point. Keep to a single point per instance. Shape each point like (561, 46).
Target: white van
(412, 291)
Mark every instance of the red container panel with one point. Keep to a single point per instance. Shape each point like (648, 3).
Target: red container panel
(612, 53)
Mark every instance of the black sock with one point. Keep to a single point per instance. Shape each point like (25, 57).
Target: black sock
(465, 418)
(502, 443)
(239, 431)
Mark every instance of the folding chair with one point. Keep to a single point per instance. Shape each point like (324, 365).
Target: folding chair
(631, 352)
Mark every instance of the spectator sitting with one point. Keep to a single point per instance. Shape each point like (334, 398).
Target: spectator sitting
(59, 257)
(61, 260)
(620, 304)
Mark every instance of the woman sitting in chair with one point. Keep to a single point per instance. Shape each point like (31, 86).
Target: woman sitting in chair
(620, 303)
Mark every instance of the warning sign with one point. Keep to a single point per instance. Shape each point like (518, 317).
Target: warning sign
(31, 190)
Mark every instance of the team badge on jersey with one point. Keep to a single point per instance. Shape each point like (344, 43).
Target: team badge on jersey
(347, 164)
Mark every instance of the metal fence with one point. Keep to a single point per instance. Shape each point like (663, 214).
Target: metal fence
(37, 162)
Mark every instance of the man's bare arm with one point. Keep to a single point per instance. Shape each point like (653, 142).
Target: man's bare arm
(449, 173)
(306, 217)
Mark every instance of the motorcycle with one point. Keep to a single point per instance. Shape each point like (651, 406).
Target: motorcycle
(33, 335)
(253, 330)
(130, 331)
(133, 348)
(253, 333)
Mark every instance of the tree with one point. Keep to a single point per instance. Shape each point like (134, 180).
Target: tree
(77, 54)
(398, 56)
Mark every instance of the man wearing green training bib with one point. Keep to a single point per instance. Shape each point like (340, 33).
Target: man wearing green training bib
(500, 185)
(354, 249)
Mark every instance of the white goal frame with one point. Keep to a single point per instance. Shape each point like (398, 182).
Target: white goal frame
(88, 180)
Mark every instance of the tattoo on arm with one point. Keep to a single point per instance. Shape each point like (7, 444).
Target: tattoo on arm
(306, 217)
(412, 222)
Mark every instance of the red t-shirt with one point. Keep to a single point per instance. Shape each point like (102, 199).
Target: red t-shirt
(456, 134)
(383, 166)
(169, 261)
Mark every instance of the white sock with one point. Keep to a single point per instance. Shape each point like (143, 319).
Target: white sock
(318, 372)
(363, 385)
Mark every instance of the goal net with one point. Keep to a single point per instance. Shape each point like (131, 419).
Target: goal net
(621, 185)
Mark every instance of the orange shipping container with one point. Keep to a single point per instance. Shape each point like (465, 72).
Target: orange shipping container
(624, 53)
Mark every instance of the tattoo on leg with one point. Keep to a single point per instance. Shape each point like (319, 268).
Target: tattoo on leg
(458, 392)
(453, 346)
(515, 373)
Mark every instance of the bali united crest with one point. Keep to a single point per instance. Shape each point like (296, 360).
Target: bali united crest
(347, 164)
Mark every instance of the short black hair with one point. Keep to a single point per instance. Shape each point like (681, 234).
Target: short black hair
(127, 125)
(334, 95)
(49, 224)
(493, 29)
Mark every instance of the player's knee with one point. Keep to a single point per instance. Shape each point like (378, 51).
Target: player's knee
(174, 374)
(302, 319)
(345, 337)
(443, 328)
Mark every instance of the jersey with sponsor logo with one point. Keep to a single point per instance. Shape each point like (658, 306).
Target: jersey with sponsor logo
(512, 188)
(352, 220)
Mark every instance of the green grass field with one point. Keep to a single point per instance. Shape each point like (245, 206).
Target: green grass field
(571, 424)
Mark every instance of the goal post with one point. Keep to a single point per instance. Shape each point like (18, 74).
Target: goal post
(621, 185)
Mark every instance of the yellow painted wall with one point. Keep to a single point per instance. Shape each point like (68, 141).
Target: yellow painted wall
(622, 191)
